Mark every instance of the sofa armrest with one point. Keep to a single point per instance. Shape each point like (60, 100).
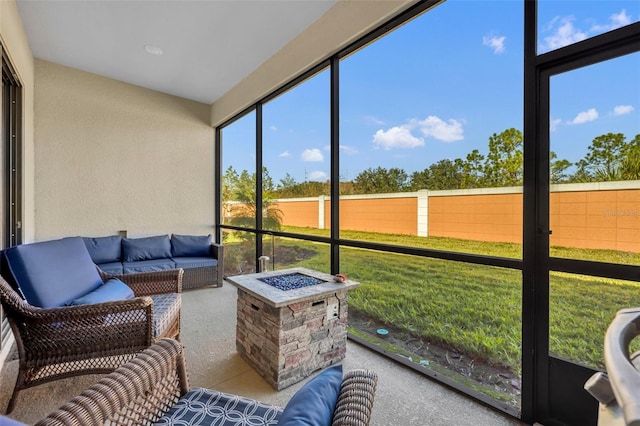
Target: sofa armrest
(148, 283)
(217, 251)
(142, 389)
(355, 400)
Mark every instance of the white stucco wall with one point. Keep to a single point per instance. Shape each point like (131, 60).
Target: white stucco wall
(111, 156)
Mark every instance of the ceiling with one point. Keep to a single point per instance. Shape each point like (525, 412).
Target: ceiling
(208, 45)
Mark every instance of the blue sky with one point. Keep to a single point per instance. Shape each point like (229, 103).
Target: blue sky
(440, 86)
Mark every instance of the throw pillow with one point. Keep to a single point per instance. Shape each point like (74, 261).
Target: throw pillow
(134, 249)
(314, 403)
(113, 289)
(104, 249)
(191, 245)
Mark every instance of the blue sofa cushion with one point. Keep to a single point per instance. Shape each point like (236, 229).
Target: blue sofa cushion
(53, 273)
(112, 289)
(194, 262)
(191, 245)
(112, 268)
(134, 249)
(209, 407)
(314, 403)
(148, 266)
(104, 249)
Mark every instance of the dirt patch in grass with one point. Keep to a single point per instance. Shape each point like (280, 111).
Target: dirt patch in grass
(497, 381)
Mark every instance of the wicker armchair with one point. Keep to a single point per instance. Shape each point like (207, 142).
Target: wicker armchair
(143, 390)
(55, 343)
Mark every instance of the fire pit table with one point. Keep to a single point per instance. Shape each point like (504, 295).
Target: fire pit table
(291, 322)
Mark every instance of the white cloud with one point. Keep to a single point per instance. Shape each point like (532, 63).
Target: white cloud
(446, 131)
(285, 154)
(431, 127)
(370, 119)
(273, 128)
(585, 116)
(318, 176)
(563, 35)
(348, 149)
(616, 20)
(554, 123)
(622, 109)
(312, 155)
(396, 137)
(496, 43)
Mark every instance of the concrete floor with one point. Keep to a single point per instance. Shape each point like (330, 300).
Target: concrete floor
(208, 332)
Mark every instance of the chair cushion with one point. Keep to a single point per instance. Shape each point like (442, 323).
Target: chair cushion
(134, 249)
(194, 262)
(53, 273)
(104, 249)
(314, 403)
(207, 407)
(165, 308)
(111, 268)
(191, 245)
(112, 289)
(148, 266)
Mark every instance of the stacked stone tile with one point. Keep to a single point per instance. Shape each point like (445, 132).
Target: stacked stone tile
(286, 344)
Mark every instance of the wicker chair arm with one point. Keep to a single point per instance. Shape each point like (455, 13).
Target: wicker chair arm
(355, 400)
(110, 326)
(80, 312)
(154, 380)
(148, 283)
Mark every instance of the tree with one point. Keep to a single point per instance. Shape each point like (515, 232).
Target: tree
(503, 165)
(630, 166)
(287, 182)
(446, 174)
(558, 168)
(609, 158)
(229, 183)
(239, 196)
(420, 180)
(473, 170)
(381, 180)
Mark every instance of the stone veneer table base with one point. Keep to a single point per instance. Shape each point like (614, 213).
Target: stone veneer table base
(287, 343)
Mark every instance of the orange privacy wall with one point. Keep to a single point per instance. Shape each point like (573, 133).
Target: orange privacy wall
(602, 215)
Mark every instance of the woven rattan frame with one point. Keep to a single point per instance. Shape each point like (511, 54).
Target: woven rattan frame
(142, 390)
(55, 343)
(206, 276)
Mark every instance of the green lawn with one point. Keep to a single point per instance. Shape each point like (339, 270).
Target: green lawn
(470, 308)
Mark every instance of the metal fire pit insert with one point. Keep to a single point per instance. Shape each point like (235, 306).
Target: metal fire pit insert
(291, 281)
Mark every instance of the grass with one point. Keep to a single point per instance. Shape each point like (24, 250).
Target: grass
(475, 309)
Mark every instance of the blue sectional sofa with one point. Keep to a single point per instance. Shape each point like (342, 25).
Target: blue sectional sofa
(201, 260)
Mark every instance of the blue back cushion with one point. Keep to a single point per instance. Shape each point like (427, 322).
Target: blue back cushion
(146, 248)
(191, 245)
(53, 273)
(148, 265)
(104, 249)
(113, 289)
(314, 403)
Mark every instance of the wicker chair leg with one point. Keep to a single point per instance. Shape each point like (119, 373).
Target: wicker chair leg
(12, 401)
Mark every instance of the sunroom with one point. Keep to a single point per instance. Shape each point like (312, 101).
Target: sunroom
(473, 164)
